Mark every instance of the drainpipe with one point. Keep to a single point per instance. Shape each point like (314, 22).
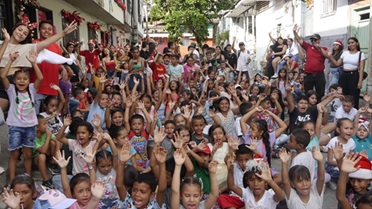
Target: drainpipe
(369, 67)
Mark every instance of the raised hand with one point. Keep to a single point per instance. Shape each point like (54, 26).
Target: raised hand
(284, 155)
(96, 120)
(338, 151)
(97, 189)
(122, 86)
(159, 135)
(32, 55)
(167, 91)
(254, 144)
(141, 105)
(200, 110)
(211, 113)
(233, 143)
(129, 102)
(124, 154)
(160, 154)
(71, 27)
(186, 112)
(6, 35)
(317, 155)
(11, 199)
(230, 160)
(54, 87)
(212, 167)
(179, 157)
(13, 56)
(102, 78)
(177, 141)
(349, 162)
(265, 172)
(366, 97)
(136, 81)
(259, 109)
(60, 160)
(67, 121)
(88, 156)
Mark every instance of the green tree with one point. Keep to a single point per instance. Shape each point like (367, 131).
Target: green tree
(191, 16)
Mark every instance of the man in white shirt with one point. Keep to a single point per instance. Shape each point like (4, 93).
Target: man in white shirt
(243, 61)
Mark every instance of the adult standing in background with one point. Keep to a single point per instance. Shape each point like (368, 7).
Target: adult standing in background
(244, 59)
(353, 62)
(91, 58)
(314, 67)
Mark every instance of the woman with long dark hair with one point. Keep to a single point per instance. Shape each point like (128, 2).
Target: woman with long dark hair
(353, 62)
(335, 71)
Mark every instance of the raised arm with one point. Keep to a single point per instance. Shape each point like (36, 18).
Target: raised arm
(179, 159)
(285, 158)
(101, 86)
(61, 133)
(290, 100)
(39, 76)
(213, 195)
(161, 155)
(124, 157)
(246, 117)
(272, 39)
(62, 163)
(230, 160)
(296, 28)
(5, 42)
(281, 123)
(61, 97)
(317, 155)
(5, 71)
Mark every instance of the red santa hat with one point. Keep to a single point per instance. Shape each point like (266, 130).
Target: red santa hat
(365, 170)
(339, 43)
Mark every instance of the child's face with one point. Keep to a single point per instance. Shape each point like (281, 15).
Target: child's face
(292, 143)
(174, 61)
(282, 73)
(83, 135)
(122, 138)
(256, 184)
(166, 60)
(185, 135)
(169, 176)
(347, 106)
(42, 126)
(362, 132)
(210, 84)
(78, 114)
(242, 159)
(141, 194)
(359, 185)
(86, 83)
(290, 76)
(191, 195)
(104, 165)
(212, 75)
(254, 130)
(310, 127)
(103, 101)
(224, 105)
(302, 186)
(21, 81)
(198, 126)
(194, 91)
(255, 90)
(156, 95)
(117, 119)
(116, 100)
(80, 96)
(313, 100)
(302, 105)
(192, 83)
(203, 100)
(82, 193)
(169, 130)
(173, 86)
(147, 102)
(180, 120)
(205, 157)
(137, 126)
(346, 129)
(266, 105)
(218, 135)
(186, 96)
(51, 106)
(26, 194)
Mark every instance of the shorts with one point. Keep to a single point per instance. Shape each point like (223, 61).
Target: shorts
(19, 137)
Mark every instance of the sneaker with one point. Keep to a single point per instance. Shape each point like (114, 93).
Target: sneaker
(48, 184)
(54, 169)
(275, 76)
(2, 170)
(332, 185)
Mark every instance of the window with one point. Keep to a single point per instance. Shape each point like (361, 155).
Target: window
(91, 34)
(139, 11)
(129, 6)
(73, 36)
(329, 7)
(2, 16)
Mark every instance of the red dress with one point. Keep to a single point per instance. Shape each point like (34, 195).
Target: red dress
(158, 71)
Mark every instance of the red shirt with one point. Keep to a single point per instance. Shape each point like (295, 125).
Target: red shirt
(50, 72)
(314, 59)
(158, 71)
(92, 58)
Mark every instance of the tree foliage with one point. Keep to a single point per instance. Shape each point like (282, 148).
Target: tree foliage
(191, 16)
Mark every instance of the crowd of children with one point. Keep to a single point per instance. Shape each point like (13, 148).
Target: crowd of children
(154, 130)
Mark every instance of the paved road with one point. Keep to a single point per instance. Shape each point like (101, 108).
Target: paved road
(330, 201)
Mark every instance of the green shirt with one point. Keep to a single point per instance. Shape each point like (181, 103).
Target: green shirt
(39, 142)
(203, 175)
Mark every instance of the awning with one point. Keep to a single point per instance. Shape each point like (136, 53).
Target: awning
(240, 7)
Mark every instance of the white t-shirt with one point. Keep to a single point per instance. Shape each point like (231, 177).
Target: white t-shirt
(340, 113)
(315, 201)
(266, 201)
(306, 159)
(333, 106)
(243, 59)
(351, 61)
(350, 145)
(78, 163)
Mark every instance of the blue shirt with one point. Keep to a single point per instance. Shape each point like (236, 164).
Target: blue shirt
(364, 144)
(96, 109)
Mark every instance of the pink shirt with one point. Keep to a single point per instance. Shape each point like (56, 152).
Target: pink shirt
(76, 206)
(189, 69)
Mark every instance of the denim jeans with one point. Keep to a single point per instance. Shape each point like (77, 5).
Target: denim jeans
(334, 75)
(39, 101)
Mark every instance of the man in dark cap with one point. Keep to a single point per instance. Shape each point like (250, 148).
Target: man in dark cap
(314, 67)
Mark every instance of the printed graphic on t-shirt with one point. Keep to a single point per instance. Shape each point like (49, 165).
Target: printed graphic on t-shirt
(25, 110)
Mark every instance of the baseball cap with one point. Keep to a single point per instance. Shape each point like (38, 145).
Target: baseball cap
(315, 36)
(207, 149)
(56, 200)
(241, 44)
